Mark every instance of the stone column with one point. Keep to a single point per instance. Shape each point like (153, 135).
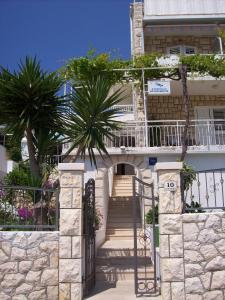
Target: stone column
(137, 50)
(137, 15)
(70, 241)
(171, 232)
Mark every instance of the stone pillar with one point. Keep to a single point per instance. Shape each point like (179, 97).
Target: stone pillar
(137, 50)
(137, 28)
(171, 232)
(70, 241)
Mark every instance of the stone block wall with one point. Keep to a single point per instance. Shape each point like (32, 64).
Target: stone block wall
(192, 246)
(47, 265)
(171, 107)
(29, 265)
(204, 256)
(159, 44)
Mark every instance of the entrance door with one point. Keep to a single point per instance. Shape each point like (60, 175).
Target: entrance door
(124, 169)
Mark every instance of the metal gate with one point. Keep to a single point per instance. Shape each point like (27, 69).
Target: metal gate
(146, 262)
(89, 235)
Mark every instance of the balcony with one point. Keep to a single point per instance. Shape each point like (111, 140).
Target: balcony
(182, 9)
(203, 135)
(125, 108)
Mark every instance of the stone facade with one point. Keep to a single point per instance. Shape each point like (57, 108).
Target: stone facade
(171, 107)
(204, 44)
(29, 265)
(192, 246)
(204, 255)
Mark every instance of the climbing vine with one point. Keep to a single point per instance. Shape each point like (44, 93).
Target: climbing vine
(81, 68)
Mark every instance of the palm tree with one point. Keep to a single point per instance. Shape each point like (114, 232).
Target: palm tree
(92, 117)
(31, 106)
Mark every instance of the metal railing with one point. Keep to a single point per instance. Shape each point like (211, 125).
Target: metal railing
(203, 191)
(126, 108)
(169, 133)
(28, 208)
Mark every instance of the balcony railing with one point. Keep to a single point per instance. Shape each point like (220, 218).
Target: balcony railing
(128, 108)
(201, 133)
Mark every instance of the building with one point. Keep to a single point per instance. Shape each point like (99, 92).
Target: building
(154, 120)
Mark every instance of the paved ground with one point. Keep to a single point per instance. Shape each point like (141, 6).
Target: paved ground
(122, 290)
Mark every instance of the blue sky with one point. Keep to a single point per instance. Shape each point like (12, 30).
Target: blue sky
(56, 30)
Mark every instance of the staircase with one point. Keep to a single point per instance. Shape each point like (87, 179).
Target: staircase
(115, 258)
(122, 186)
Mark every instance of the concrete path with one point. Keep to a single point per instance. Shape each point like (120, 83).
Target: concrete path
(121, 290)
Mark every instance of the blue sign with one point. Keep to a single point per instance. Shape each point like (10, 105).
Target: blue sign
(152, 161)
(159, 87)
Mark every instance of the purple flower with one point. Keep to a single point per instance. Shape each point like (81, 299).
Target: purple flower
(49, 184)
(25, 213)
(2, 193)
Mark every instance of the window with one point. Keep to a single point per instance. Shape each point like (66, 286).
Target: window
(219, 113)
(181, 49)
(219, 116)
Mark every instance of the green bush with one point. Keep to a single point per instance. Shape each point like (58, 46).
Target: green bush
(20, 176)
(189, 175)
(149, 216)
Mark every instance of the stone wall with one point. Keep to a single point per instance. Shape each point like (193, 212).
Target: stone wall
(204, 45)
(171, 107)
(204, 256)
(29, 265)
(192, 246)
(47, 265)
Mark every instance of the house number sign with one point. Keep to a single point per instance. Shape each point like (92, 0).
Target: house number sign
(170, 186)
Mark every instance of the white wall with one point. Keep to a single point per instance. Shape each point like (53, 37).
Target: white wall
(100, 234)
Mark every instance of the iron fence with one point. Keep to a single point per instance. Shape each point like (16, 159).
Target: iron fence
(28, 208)
(203, 190)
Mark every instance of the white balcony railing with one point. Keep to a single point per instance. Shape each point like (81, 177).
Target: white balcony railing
(201, 133)
(128, 108)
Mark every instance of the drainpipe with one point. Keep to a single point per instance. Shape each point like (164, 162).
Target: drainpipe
(145, 108)
(220, 45)
(131, 30)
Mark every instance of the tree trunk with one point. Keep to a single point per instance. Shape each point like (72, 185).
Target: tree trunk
(183, 74)
(34, 168)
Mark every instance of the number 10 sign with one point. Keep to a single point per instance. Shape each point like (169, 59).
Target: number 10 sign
(170, 186)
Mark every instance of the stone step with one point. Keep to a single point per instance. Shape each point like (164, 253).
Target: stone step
(107, 273)
(122, 193)
(121, 219)
(114, 237)
(125, 217)
(121, 182)
(127, 261)
(120, 232)
(120, 199)
(122, 252)
(122, 225)
(117, 290)
(121, 213)
(120, 209)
